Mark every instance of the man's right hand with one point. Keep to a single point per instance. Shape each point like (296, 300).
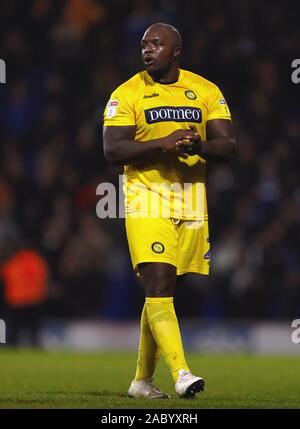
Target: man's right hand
(170, 142)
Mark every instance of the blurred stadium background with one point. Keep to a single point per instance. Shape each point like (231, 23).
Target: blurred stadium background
(66, 276)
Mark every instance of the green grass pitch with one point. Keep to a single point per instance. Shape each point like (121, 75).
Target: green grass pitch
(40, 379)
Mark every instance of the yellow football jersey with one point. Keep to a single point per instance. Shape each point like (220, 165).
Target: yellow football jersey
(170, 184)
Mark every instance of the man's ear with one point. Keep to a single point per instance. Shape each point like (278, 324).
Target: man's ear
(177, 52)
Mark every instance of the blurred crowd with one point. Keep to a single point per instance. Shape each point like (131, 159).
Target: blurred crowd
(64, 58)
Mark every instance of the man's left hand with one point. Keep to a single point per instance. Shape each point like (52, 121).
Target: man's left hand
(192, 145)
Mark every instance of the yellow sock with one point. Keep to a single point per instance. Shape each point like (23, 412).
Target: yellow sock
(164, 326)
(148, 354)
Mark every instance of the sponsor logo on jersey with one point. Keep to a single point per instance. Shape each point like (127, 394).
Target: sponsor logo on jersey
(152, 95)
(158, 247)
(173, 114)
(112, 107)
(190, 94)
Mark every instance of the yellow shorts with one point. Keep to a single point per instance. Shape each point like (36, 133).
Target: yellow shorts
(182, 243)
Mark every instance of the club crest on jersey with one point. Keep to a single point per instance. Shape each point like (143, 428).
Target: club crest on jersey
(190, 94)
(173, 114)
(158, 247)
(112, 108)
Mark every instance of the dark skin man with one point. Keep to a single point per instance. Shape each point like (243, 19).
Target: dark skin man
(161, 48)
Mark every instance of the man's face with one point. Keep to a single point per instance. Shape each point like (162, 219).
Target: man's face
(157, 51)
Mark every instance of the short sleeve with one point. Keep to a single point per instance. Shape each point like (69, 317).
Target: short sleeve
(217, 106)
(119, 110)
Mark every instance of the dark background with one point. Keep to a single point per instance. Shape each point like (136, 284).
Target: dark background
(64, 58)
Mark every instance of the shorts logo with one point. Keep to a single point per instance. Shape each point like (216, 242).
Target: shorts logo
(158, 247)
(173, 114)
(190, 94)
(112, 107)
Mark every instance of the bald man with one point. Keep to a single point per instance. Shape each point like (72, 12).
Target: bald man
(162, 125)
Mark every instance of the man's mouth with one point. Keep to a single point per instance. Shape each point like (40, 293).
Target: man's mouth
(149, 61)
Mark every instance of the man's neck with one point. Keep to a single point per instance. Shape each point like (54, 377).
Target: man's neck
(167, 78)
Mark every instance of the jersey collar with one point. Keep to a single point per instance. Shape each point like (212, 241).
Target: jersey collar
(165, 84)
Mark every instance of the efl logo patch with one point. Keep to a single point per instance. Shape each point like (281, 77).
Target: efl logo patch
(112, 108)
(158, 247)
(173, 114)
(222, 101)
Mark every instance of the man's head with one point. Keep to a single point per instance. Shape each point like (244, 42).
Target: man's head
(161, 48)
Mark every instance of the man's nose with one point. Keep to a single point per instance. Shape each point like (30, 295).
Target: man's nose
(148, 49)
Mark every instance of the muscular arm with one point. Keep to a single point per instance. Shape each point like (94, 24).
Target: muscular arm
(120, 146)
(221, 144)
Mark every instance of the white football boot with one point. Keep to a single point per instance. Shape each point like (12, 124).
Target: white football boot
(188, 385)
(146, 389)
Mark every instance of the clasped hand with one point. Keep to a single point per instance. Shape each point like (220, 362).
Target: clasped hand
(191, 143)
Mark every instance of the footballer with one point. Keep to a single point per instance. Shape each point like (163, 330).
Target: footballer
(163, 125)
